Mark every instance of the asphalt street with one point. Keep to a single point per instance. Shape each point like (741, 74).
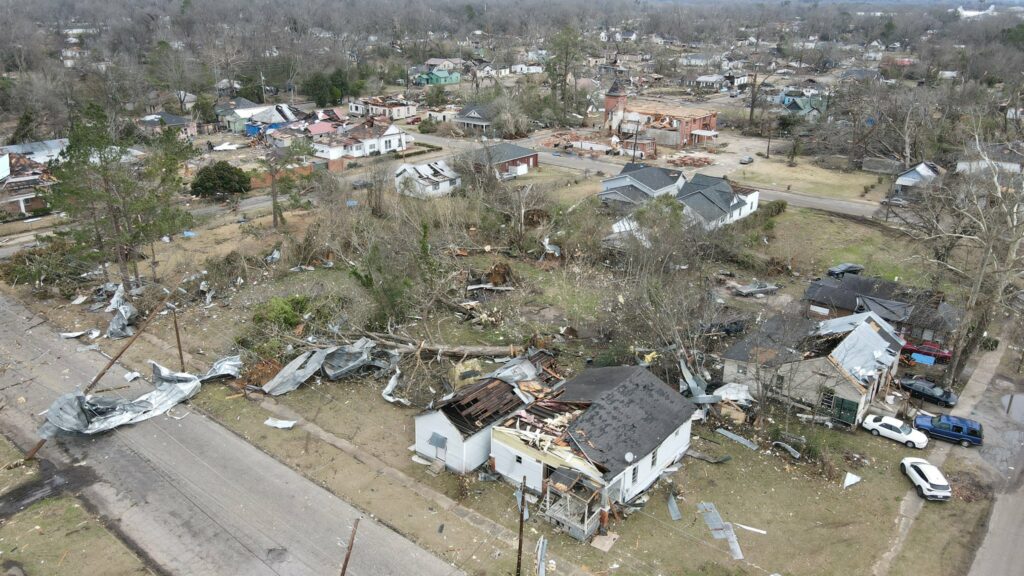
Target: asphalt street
(191, 496)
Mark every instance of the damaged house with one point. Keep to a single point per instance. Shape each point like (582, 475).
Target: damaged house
(835, 367)
(917, 315)
(429, 180)
(714, 202)
(22, 184)
(457, 431)
(601, 441)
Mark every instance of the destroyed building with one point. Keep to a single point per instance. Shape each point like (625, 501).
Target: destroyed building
(601, 441)
(669, 125)
(457, 431)
(835, 367)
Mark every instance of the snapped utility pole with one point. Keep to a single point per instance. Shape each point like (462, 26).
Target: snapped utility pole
(348, 551)
(522, 515)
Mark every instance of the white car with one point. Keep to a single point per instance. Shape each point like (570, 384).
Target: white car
(894, 429)
(929, 481)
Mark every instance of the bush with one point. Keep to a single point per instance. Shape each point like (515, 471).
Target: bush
(773, 208)
(281, 313)
(427, 126)
(220, 178)
(988, 344)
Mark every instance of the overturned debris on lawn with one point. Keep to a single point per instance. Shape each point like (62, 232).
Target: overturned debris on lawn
(792, 451)
(335, 363)
(737, 438)
(121, 324)
(76, 413)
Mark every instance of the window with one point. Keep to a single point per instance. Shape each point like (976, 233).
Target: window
(636, 473)
(958, 429)
(779, 379)
(654, 458)
(741, 368)
(436, 186)
(519, 459)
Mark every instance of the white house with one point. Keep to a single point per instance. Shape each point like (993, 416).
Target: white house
(457, 431)
(391, 108)
(367, 139)
(638, 183)
(527, 69)
(605, 438)
(714, 202)
(429, 180)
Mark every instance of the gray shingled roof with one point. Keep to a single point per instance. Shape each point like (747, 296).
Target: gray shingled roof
(502, 152)
(631, 410)
(654, 177)
(629, 191)
(709, 196)
(773, 342)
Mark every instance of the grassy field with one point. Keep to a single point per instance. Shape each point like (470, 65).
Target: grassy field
(810, 179)
(11, 479)
(811, 241)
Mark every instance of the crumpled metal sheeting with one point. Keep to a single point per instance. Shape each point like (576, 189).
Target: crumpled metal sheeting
(346, 360)
(77, 413)
(120, 324)
(226, 367)
(335, 362)
(297, 371)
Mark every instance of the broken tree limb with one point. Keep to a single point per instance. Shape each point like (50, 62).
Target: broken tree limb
(456, 351)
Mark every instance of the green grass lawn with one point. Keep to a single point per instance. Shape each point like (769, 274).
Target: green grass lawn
(810, 179)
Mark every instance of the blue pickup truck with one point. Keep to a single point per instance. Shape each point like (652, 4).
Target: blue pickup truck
(964, 431)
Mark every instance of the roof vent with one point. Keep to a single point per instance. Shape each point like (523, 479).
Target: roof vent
(629, 456)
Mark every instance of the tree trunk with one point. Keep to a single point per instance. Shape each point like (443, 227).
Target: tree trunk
(273, 199)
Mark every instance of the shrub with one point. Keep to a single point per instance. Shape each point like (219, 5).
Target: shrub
(220, 178)
(773, 208)
(989, 344)
(282, 313)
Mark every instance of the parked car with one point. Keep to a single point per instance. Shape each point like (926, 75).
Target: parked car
(926, 478)
(415, 120)
(928, 390)
(929, 349)
(747, 160)
(895, 202)
(895, 429)
(839, 270)
(964, 431)
(756, 288)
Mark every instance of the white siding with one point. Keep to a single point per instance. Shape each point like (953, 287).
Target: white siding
(669, 451)
(506, 465)
(462, 454)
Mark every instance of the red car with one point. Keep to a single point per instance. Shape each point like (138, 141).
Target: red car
(929, 349)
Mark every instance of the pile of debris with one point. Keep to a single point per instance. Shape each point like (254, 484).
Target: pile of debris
(690, 161)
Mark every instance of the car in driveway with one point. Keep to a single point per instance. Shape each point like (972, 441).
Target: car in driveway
(963, 431)
(929, 349)
(926, 478)
(928, 390)
(895, 429)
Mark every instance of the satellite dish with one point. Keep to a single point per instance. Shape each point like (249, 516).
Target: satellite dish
(629, 456)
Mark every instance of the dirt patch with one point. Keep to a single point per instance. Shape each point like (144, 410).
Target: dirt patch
(969, 487)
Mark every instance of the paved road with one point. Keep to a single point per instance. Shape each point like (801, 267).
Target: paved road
(1001, 552)
(195, 498)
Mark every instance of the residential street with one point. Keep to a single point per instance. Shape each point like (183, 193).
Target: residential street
(186, 493)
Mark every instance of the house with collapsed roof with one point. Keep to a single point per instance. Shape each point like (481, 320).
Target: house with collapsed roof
(42, 152)
(371, 138)
(22, 181)
(917, 315)
(835, 367)
(429, 180)
(669, 124)
(457, 431)
(600, 441)
(713, 202)
(637, 183)
(234, 113)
